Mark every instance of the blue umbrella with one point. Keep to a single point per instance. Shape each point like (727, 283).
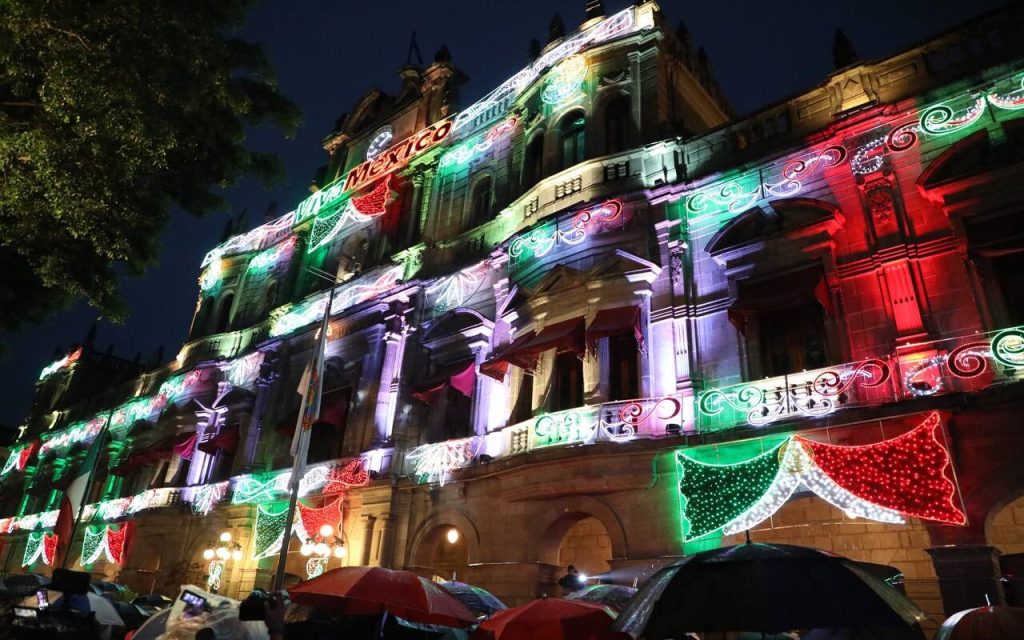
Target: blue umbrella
(479, 601)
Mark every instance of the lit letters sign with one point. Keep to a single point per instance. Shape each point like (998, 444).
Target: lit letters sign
(397, 155)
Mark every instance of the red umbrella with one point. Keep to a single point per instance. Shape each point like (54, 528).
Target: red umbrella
(370, 591)
(551, 619)
(984, 623)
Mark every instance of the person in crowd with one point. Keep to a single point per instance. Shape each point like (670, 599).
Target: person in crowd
(572, 580)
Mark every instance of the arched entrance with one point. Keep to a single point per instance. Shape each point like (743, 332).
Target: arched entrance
(1004, 530)
(443, 554)
(588, 547)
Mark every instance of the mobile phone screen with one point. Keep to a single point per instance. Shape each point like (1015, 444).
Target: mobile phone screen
(42, 599)
(193, 599)
(25, 612)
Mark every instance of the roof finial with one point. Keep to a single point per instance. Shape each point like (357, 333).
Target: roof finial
(414, 48)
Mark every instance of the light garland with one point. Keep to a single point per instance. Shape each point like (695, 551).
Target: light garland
(452, 291)
(104, 540)
(631, 415)
(537, 243)
(311, 520)
(1012, 101)
(57, 365)
(569, 427)
(463, 153)
(206, 497)
(586, 221)
(270, 257)
(732, 195)
(498, 101)
(40, 546)
(18, 458)
(436, 462)
(941, 119)
(80, 432)
(565, 81)
(243, 372)
(251, 240)
(356, 211)
(269, 531)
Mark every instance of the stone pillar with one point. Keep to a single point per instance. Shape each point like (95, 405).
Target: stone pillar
(387, 533)
(967, 574)
(397, 330)
(252, 435)
(647, 383)
(484, 392)
(368, 525)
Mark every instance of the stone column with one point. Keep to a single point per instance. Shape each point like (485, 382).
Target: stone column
(967, 574)
(252, 436)
(387, 532)
(484, 391)
(368, 525)
(397, 330)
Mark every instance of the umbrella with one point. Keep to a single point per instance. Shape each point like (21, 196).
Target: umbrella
(767, 588)
(371, 591)
(154, 627)
(22, 584)
(105, 612)
(861, 633)
(983, 623)
(549, 618)
(479, 601)
(615, 596)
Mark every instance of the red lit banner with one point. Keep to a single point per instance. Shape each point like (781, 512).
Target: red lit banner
(398, 155)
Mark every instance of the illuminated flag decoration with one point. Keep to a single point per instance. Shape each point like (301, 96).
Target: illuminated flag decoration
(911, 473)
(269, 530)
(40, 546)
(310, 519)
(106, 539)
(375, 202)
(715, 494)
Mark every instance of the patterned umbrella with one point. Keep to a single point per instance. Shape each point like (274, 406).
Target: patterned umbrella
(615, 596)
(479, 601)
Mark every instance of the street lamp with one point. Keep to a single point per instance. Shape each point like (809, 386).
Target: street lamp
(320, 548)
(227, 549)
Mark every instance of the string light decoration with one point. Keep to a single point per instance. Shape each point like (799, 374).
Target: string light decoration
(632, 415)
(942, 119)
(538, 243)
(1012, 101)
(565, 81)
(243, 372)
(714, 494)
(311, 520)
(269, 530)
(40, 546)
(356, 211)
(587, 221)
(57, 365)
(566, 428)
(911, 473)
(18, 458)
(436, 462)
(291, 318)
(208, 496)
(212, 273)
(734, 196)
(351, 474)
(375, 202)
(104, 540)
(260, 236)
(463, 153)
(80, 432)
(452, 291)
(270, 257)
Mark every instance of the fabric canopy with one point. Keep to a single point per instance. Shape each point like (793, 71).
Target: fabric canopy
(460, 376)
(497, 366)
(156, 452)
(226, 440)
(614, 322)
(333, 410)
(185, 444)
(787, 291)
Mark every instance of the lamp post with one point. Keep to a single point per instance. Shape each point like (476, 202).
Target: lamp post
(327, 543)
(226, 549)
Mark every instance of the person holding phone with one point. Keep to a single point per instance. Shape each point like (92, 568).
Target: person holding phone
(273, 614)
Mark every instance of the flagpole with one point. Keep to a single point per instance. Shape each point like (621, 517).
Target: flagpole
(85, 495)
(299, 465)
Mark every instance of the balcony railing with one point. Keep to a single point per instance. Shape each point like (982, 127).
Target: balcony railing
(952, 365)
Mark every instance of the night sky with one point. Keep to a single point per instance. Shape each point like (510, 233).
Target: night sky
(328, 53)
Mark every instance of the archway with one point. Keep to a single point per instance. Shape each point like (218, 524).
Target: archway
(443, 554)
(1004, 530)
(588, 547)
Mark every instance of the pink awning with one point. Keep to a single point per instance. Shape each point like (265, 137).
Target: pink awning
(614, 322)
(461, 377)
(497, 366)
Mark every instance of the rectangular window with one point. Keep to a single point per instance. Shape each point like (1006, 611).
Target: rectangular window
(523, 408)
(567, 382)
(793, 340)
(624, 370)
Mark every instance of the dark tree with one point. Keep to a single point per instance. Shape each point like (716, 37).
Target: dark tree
(111, 113)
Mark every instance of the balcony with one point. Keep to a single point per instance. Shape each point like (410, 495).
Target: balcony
(965, 364)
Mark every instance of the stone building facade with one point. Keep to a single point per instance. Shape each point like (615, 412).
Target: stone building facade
(593, 318)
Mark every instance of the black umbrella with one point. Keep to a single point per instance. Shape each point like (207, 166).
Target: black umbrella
(766, 588)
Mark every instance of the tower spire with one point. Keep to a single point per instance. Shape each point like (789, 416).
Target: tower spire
(414, 48)
(843, 53)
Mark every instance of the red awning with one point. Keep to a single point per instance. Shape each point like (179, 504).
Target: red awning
(787, 291)
(460, 376)
(497, 366)
(185, 444)
(334, 407)
(614, 322)
(156, 452)
(226, 440)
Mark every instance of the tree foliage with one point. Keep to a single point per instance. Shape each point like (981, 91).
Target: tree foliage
(111, 113)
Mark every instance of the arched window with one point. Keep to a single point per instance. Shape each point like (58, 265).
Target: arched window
(617, 124)
(533, 162)
(572, 138)
(224, 313)
(480, 205)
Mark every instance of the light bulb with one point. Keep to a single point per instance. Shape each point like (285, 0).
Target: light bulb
(582, 577)
(306, 549)
(236, 554)
(208, 554)
(322, 549)
(225, 537)
(340, 552)
(222, 553)
(326, 530)
(452, 535)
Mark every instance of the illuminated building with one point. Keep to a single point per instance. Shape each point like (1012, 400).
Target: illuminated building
(595, 305)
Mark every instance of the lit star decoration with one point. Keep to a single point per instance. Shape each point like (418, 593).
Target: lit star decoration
(909, 475)
(56, 366)
(40, 546)
(105, 540)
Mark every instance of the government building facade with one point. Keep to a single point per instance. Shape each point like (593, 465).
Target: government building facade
(593, 318)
